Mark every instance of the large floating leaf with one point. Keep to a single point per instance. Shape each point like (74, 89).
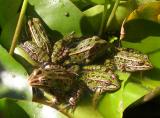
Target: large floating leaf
(62, 16)
(13, 78)
(10, 108)
(94, 16)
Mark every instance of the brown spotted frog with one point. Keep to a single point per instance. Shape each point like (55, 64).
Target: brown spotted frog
(59, 82)
(130, 60)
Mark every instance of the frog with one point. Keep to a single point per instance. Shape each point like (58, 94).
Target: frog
(39, 47)
(39, 35)
(59, 82)
(87, 50)
(99, 79)
(129, 60)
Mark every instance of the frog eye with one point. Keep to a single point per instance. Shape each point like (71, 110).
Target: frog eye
(141, 62)
(39, 72)
(145, 57)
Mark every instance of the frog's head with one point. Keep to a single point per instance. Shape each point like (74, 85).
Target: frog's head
(95, 40)
(139, 62)
(145, 63)
(113, 82)
(39, 79)
(49, 78)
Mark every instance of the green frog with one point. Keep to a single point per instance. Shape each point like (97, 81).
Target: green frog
(39, 35)
(87, 50)
(131, 61)
(99, 79)
(39, 47)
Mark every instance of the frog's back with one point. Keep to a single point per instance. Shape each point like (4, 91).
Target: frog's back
(105, 81)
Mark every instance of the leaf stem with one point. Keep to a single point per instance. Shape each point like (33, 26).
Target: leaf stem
(104, 18)
(18, 27)
(107, 16)
(112, 14)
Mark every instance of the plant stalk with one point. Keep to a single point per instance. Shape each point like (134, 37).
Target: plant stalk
(104, 19)
(18, 27)
(112, 14)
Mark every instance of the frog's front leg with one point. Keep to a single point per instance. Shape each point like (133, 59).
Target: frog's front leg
(52, 101)
(74, 98)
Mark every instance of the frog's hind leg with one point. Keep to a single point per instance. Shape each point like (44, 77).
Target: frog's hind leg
(73, 99)
(96, 97)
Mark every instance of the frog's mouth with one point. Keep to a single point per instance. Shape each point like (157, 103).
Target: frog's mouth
(38, 83)
(146, 66)
(113, 87)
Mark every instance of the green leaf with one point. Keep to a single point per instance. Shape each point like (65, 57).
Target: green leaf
(94, 16)
(13, 78)
(8, 10)
(62, 16)
(142, 22)
(81, 4)
(96, 1)
(8, 32)
(86, 110)
(10, 108)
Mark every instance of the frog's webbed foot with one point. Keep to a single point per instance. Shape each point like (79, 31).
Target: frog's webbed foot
(73, 99)
(53, 102)
(71, 105)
